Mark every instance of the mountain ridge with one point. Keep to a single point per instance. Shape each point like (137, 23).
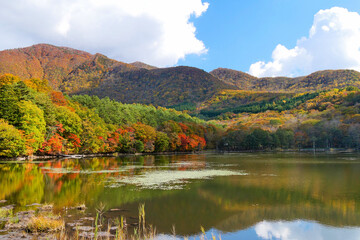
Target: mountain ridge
(78, 72)
(317, 81)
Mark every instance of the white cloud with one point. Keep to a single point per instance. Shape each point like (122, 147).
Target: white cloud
(158, 32)
(301, 230)
(333, 43)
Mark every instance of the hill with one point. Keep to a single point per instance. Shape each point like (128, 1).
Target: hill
(73, 72)
(183, 88)
(91, 73)
(78, 69)
(321, 80)
(236, 78)
(163, 86)
(42, 61)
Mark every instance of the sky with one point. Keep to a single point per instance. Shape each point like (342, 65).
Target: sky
(261, 37)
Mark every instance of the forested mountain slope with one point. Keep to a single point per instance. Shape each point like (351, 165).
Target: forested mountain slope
(74, 72)
(185, 88)
(42, 61)
(55, 64)
(322, 80)
(163, 86)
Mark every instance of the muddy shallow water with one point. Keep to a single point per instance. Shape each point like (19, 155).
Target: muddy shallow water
(248, 196)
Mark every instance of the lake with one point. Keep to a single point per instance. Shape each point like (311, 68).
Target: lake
(235, 196)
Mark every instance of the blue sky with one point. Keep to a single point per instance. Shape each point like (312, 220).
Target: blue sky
(241, 32)
(262, 37)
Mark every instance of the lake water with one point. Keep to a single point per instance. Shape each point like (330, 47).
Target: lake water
(235, 196)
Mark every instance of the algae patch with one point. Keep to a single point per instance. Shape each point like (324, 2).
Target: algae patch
(168, 180)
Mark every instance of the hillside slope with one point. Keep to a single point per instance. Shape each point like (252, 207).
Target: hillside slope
(55, 64)
(321, 80)
(42, 61)
(163, 86)
(75, 72)
(185, 88)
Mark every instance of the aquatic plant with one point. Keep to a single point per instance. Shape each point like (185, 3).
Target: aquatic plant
(5, 212)
(44, 224)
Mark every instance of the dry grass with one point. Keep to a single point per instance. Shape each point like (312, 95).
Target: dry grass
(5, 212)
(44, 224)
(47, 223)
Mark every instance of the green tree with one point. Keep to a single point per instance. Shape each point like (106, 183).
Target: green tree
(70, 120)
(139, 146)
(12, 143)
(33, 124)
(161, 142)
(8, 104)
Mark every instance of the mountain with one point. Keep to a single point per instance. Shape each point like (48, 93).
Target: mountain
(42, 61)
(162, 86)
(91, 73)
(321, 80)
(233, 77)
(55, 64)
(185, 88)
(74, 72)
(326, 80)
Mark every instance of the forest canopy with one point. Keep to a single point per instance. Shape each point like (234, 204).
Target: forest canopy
(37, 120)
(34, 119)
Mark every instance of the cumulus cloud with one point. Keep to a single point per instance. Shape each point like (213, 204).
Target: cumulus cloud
(159, 32)
(333, 43)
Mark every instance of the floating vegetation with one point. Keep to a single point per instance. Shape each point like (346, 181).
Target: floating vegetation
(168, 180)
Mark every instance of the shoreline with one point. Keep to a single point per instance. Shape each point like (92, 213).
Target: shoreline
(92, 155)
(65, 156)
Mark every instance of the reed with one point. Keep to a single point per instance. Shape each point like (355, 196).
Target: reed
(44, 224)
(48, 223)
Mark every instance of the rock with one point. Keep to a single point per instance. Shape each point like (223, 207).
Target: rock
(84, 228)
(8, 207)
(34, 204)
(87, 219)
(81, 207)
(76, 224)
(46, 207)
(118, 210)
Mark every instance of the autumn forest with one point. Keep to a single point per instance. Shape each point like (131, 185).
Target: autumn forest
(58, 101)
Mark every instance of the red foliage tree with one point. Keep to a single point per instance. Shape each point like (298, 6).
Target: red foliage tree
(58, 98)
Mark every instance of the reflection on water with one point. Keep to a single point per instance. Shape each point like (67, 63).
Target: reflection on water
(252, 196)
(295, 230)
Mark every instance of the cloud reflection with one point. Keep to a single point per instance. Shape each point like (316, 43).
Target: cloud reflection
(300, 230)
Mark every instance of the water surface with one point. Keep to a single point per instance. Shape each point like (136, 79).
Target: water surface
(237, 196)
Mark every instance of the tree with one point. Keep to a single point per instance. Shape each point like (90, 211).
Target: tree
(39, 85)
(70, 120)
(259, 139)
(139, 146)
(58, 98)
(8, 104)
(284, 137)
(8, 79)
(161, 142)
(12, 143)
(144, 132)
(32, 122)
(234, 140)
